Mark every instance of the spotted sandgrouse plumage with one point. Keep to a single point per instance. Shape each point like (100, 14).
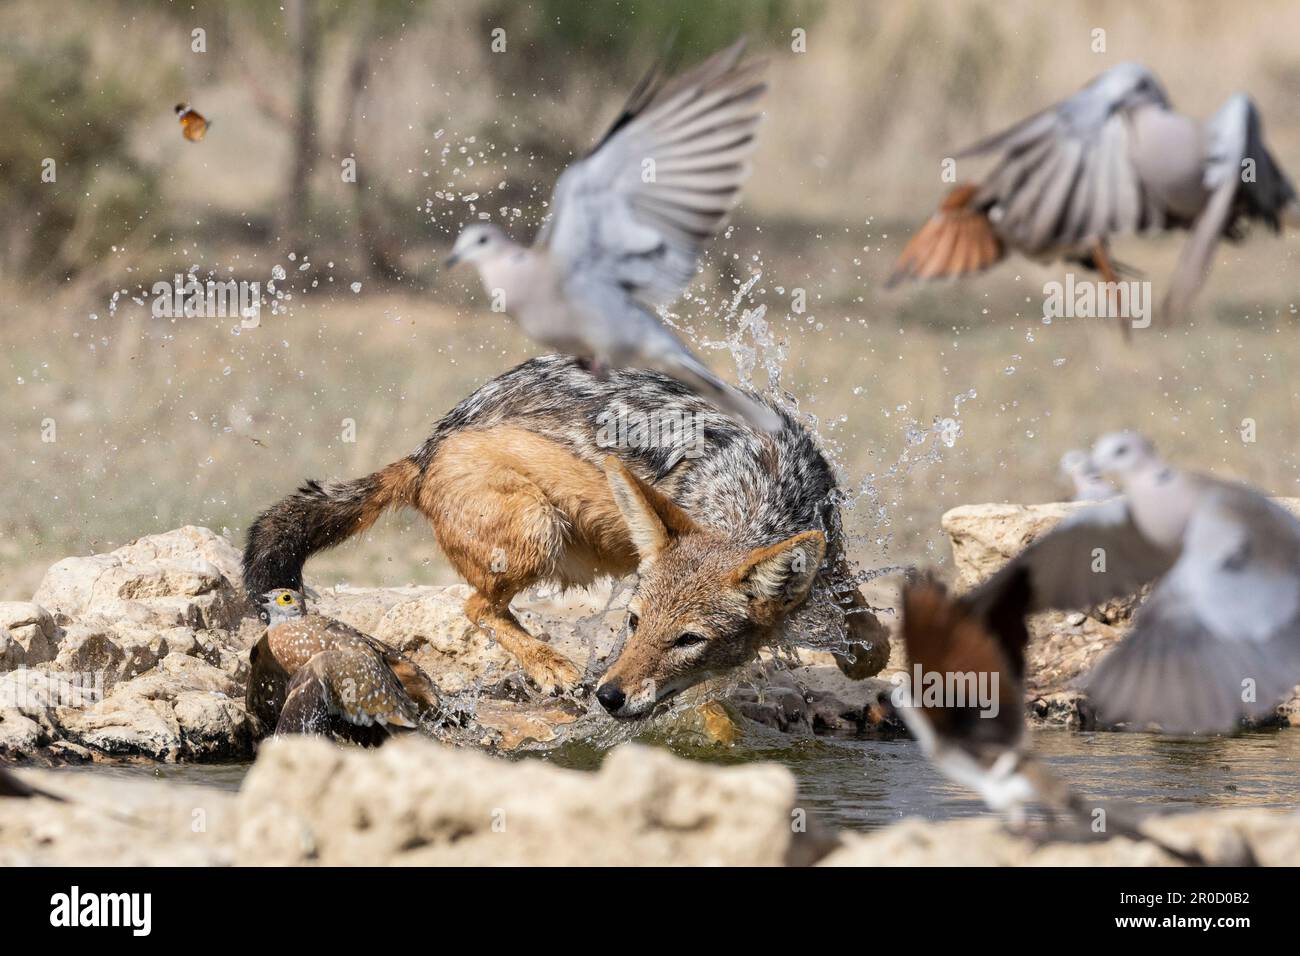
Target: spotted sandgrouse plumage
(314, 674)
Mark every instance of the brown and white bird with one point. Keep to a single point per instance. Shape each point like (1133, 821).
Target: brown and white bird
(314, 674)
(628, 223)
(986, 748)
(1218, 638)
(979, 744)
(1112, 159)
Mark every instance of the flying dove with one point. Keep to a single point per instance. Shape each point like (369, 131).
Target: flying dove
(627, 226)
(1112, 159)
(982, 744)
(1088, 483)
(313, 674)
(1218, 639)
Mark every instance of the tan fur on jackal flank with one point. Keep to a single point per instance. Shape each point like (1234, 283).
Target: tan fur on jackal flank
(508, 490)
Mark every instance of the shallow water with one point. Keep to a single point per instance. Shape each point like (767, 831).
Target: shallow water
(866, 783)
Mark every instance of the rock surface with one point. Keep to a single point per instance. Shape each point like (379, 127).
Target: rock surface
(412, 802)
(1222, 837)
(142, 653)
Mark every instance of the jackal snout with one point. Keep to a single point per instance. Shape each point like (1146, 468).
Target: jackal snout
(704, 604)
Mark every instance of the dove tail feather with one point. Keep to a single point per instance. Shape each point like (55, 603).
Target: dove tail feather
(697, 376)
(958, 240)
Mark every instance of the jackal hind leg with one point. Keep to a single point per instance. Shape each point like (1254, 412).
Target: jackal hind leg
(501, 533)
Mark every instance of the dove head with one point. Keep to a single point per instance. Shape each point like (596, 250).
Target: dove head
(1123, 454)
(281, 605)
(478, 242)
(1075, 463)
(1131, 84)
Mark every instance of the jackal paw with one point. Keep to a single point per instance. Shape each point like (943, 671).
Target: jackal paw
(550, 671)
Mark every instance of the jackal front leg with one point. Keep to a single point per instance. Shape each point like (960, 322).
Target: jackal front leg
(545, 667)
(869, 647)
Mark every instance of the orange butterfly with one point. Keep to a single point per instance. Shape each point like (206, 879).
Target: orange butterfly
(193, 125)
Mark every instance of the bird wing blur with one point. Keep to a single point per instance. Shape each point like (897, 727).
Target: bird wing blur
(1064, 176)
(1060, 568)
(631, 218)
(944, 636)
(1219, 637)
(1112, 159)
(1235, 136)
(355, 685)
(957, 240)
(634, 214)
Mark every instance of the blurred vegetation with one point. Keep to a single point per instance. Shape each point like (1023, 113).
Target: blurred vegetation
(53, 108)
(626, 34)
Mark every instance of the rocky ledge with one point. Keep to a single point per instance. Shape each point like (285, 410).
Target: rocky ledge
(416, 802)
(142, 653)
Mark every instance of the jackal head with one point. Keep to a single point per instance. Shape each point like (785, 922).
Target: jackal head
(704, 604)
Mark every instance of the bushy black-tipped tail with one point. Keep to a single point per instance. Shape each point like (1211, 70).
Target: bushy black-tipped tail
(319, 515)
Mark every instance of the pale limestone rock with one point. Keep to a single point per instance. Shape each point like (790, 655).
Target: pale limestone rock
(111, 821)
(413, 803)
(182, 577)
(433, 629)
(12, 654)
(32, 690)
(89, 648)
(1228, 837)
(182, 709)
(985, 537)
(20, 734)
(32, 628)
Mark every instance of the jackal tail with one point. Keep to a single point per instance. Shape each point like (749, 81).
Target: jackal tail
(320, 515)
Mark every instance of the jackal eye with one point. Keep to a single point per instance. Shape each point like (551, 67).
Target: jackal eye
(689, 640)
(632, 621)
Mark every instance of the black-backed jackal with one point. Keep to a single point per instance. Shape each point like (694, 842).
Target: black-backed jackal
(549, 474)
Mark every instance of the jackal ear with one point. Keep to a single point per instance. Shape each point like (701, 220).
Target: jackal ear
(783, 572)
(652, 519)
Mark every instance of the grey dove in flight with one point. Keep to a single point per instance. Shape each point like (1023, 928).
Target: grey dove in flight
(1087, 481)
(627, 227)
(1113, 159)
(1218, 638)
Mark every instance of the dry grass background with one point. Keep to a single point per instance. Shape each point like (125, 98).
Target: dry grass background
(156, 419)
